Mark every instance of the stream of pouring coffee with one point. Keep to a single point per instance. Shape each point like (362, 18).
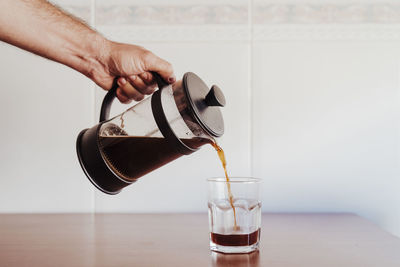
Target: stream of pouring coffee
(221, 156)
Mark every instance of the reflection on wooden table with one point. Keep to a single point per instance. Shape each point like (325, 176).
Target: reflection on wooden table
(235, 260)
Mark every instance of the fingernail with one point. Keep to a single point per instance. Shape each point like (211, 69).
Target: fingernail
(146, 76)
(133, 77)
(121, 81)
(171, 79)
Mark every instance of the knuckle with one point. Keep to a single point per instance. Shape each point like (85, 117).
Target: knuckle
(132, 78)
(147, 56)
(147, 77)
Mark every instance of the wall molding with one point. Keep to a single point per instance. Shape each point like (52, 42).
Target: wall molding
(200, 14)
(211, 21)
(218, 33)
(237, 12)
(327, 13)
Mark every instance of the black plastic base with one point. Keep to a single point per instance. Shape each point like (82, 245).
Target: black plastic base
(93, 163)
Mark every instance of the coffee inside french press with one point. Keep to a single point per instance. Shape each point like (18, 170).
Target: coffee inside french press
(117, 149)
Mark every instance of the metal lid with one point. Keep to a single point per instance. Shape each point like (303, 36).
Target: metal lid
(205, 103)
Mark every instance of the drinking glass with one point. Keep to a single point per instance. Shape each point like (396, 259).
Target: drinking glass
(234, 210)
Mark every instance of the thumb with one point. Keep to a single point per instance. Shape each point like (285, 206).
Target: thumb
(159, 65)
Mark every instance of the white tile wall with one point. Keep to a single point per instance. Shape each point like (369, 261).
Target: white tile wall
(313, 107)
(326, 107)
(43, 105)
(326, 126)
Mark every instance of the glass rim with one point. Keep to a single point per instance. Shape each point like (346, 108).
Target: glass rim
(235, 179)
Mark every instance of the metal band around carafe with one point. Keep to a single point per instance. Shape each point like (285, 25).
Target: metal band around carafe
(164, 127)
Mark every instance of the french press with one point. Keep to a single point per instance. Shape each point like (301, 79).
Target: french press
(175, 121)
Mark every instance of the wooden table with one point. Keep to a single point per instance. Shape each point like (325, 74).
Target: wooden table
(310, 240)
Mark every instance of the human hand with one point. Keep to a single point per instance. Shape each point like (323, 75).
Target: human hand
(132, 66)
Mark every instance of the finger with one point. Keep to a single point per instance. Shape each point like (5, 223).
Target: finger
(162, 67)
(129, 91)
(147, 78)
(121, 81)
(141, 86)
(122, 97)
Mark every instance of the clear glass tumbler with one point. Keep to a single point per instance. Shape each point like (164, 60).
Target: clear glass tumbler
(234, 211)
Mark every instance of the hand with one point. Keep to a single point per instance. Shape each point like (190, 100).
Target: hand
(132, 65)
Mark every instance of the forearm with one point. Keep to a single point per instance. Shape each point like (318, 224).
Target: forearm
(41, 28)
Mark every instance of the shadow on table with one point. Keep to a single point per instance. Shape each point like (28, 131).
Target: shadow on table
(235, 260)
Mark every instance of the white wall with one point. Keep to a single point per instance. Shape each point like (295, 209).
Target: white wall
(313, 107)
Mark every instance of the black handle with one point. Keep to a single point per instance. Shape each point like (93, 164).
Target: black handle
(159, 80)
(111, 94)
(107, 101)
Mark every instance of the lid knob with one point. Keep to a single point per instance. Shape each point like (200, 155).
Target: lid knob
(215, 97)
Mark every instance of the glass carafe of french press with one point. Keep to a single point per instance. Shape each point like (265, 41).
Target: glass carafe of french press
(175, 121)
